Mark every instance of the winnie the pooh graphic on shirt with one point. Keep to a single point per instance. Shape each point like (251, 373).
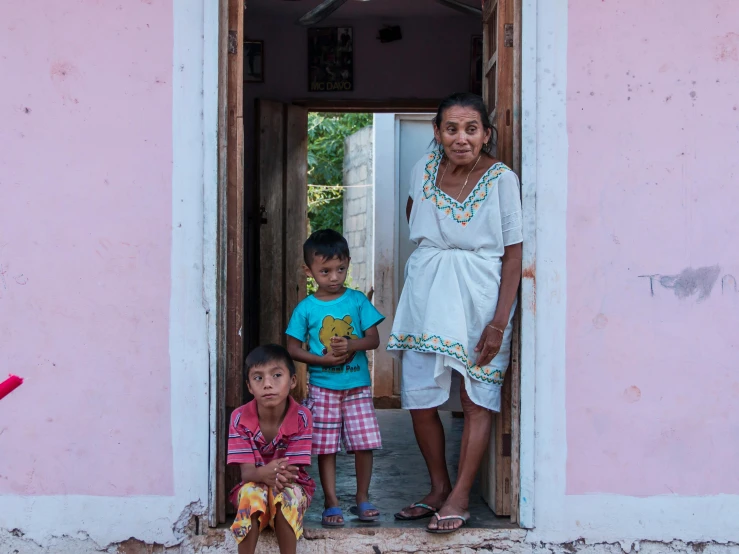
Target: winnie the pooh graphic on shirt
(334, 327)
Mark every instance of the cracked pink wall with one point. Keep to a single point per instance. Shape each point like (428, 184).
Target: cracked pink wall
(85, 240)
(653, 122)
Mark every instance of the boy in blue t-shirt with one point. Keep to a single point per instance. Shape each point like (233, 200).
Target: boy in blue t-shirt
(338, 325)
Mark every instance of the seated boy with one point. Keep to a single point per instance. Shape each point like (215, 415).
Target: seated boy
(339, 325)
(270, 439)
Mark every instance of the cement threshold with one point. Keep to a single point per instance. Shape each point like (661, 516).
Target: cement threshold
(381, 541)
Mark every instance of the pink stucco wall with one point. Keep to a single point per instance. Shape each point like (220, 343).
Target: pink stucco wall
(652, 374)
(85, 233)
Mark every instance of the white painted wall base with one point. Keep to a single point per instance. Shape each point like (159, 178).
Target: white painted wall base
(384, 541)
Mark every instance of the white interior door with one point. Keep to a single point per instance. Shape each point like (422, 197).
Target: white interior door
(399, 141)
(414, 134)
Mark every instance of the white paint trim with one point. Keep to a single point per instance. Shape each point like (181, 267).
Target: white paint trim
(528, 286)
(211, 42)
(154, 518)
(548, 133)
(188, 321)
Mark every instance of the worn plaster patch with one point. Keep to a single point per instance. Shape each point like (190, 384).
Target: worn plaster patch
(727, 48)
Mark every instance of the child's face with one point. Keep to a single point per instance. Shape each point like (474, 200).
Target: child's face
(330, 275)
(270, 384)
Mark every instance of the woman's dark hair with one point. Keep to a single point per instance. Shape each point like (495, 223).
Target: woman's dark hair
(475, 102)
(327, 244)
(269, 353)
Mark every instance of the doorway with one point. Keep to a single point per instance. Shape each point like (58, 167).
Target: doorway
(267, 188)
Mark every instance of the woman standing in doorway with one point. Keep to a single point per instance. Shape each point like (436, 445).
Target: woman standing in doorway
(453, 323)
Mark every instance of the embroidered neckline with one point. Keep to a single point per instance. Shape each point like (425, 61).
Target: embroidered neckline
(434, 343)
(461, 212)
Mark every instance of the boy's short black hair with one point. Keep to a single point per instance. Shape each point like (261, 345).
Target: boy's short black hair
(265, 354)
(327, 244)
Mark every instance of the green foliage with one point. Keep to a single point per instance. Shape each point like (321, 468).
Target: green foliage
(325, 208)
(326, 135)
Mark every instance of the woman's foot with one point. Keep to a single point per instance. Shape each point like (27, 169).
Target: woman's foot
(433, 500)
(452, 507)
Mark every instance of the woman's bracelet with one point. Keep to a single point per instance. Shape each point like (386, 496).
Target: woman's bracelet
(494, 328)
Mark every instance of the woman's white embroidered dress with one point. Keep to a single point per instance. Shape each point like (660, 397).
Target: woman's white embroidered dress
(451, 287)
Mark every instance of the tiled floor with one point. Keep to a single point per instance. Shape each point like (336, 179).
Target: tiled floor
(400, 476)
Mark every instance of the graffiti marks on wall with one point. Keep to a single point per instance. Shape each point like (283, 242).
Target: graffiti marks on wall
(692, 283)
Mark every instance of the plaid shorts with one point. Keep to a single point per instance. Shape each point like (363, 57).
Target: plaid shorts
(347, 415)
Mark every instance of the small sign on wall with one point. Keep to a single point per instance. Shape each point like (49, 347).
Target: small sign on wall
(330, 59)
(253, 61)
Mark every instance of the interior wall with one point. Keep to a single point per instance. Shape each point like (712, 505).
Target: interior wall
(431, 61)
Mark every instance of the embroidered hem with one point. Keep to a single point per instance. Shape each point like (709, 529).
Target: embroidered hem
(439, 345)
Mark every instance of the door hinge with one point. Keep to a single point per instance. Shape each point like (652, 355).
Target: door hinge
(232, 42)
(508, 40)
(506, 445)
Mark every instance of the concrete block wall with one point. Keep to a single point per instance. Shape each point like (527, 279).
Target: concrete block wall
(359, 205)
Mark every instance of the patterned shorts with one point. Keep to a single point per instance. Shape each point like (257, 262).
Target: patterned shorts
(255, 498)
(347, 415)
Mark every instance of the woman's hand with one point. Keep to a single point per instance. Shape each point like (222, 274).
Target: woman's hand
(489, 345)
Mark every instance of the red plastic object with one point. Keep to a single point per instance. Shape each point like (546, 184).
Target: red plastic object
(9, 385)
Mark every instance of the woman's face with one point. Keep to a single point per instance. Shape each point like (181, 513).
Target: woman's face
(461, 134)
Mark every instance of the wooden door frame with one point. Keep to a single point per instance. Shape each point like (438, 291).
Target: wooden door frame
(502, 93)
(229, 249)
(391, 105)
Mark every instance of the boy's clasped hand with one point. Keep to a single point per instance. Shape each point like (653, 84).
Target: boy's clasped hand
(279, 473)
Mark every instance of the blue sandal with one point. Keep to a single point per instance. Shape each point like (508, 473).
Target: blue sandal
(332, 512)
(362, 509)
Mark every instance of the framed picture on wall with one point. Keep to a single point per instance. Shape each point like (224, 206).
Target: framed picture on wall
(330, 59)
(476, 65)
(253, 61)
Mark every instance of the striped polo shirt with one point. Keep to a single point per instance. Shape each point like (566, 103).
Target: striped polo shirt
(247, 445)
